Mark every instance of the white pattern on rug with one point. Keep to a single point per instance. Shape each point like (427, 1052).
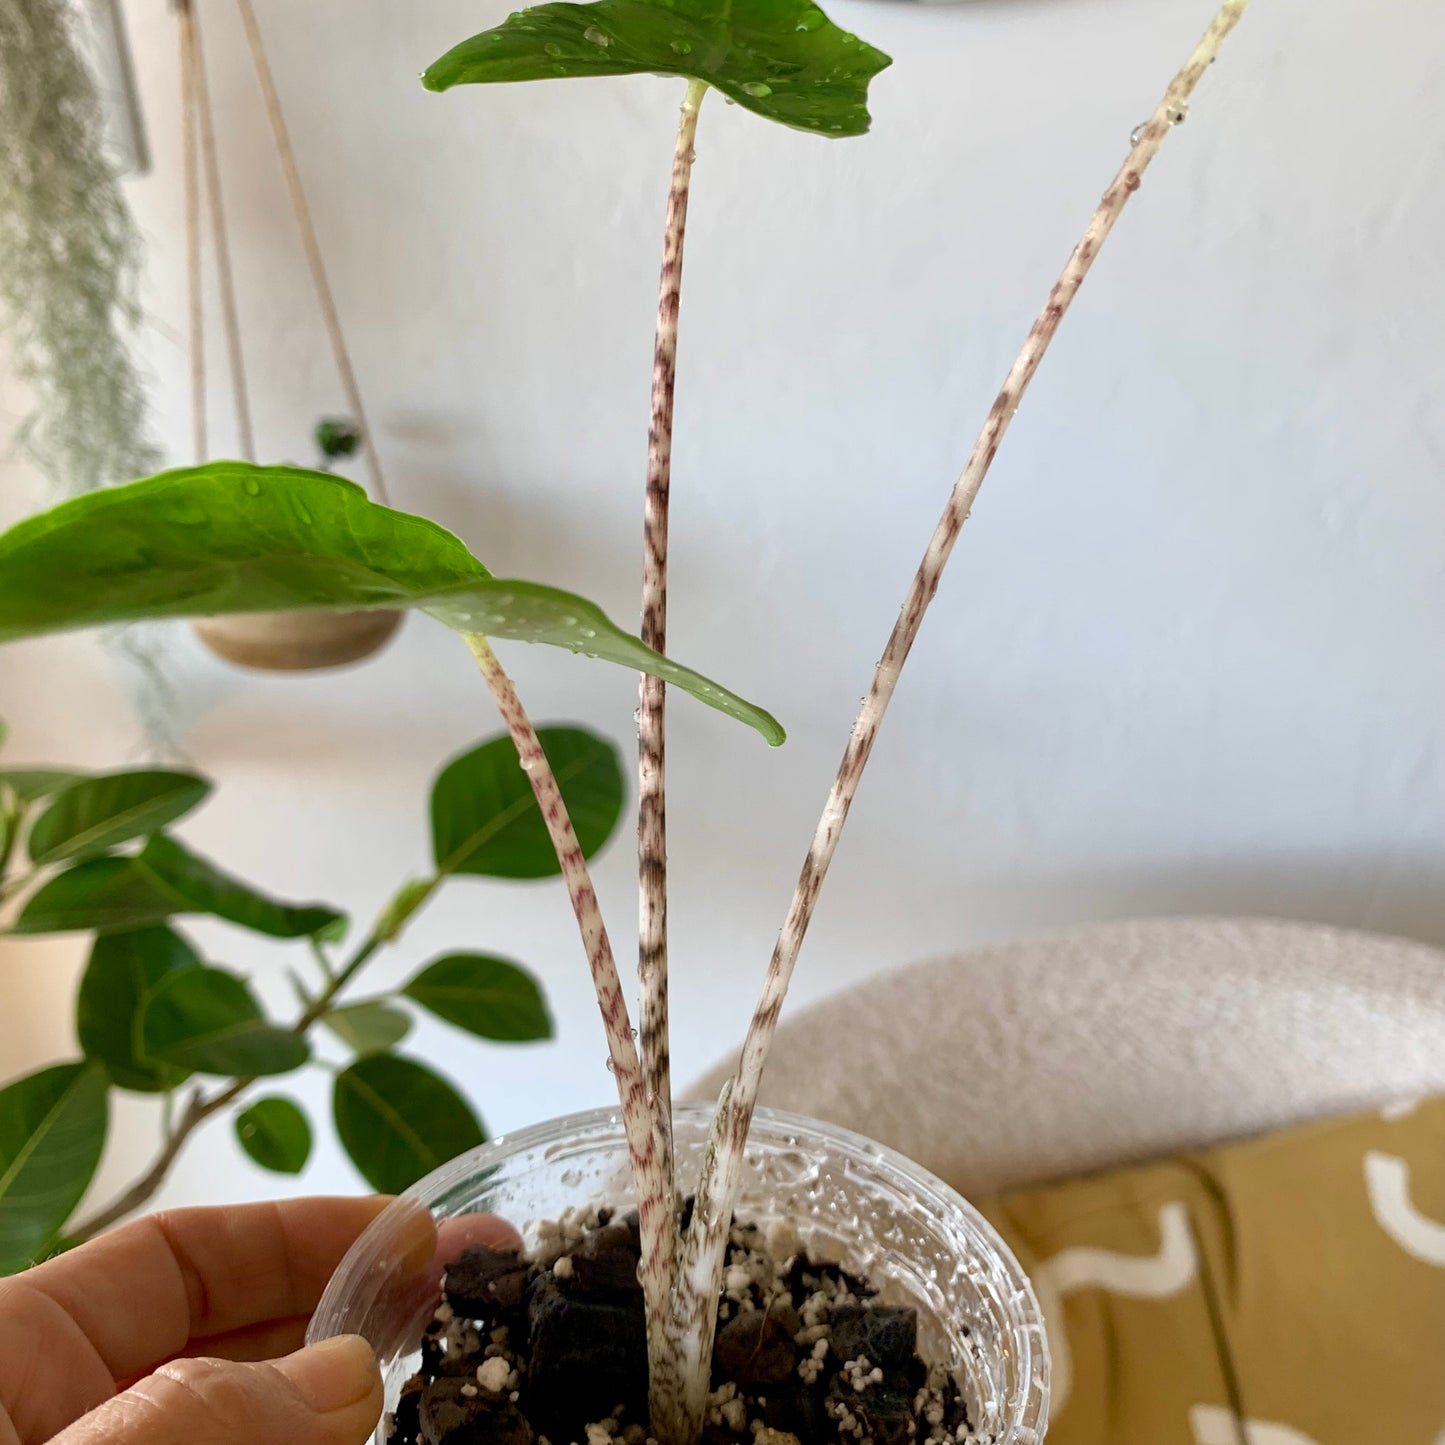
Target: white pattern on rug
(1150, 1276)
(1387, 1178)
(1216, 1425)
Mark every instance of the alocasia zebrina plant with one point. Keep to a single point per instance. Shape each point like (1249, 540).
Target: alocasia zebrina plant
(231, 538)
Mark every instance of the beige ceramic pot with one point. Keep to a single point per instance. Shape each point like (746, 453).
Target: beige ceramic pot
(297, 641)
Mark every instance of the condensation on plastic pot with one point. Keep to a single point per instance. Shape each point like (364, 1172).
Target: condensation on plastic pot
(851, 1200)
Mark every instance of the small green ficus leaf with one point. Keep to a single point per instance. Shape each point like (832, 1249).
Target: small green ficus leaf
(52, 1131)
(230, 537)
(104, 894)
(783, 59)
(485, 818)
(368, 1028)
(95, 814)
(207, 1020)
(276, 1134)
(206, 889)
(31, 784)
(486, 996)
(398, 1121)
(163, 881)
(123, 970)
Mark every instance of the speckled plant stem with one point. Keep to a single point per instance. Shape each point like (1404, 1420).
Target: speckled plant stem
(1146, 142)
(651, 720)
(654, 1201)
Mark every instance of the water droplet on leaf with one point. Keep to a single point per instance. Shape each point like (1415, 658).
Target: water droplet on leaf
(596, 36)
(683, 47)
(552, 48)
(757, 89)
(811, 19)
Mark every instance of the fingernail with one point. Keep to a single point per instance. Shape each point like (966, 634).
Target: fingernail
(334, 1374)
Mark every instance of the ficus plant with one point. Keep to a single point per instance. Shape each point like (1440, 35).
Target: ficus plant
(229, 537)
(94, 854)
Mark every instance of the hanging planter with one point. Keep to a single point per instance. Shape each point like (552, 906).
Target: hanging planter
(297, 641)
(303, 641)
(267, 641)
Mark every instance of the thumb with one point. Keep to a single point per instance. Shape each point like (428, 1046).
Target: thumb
(329, 1394)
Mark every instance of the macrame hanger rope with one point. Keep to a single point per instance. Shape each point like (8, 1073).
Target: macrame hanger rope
(196, 58)
(190, 165)
(312, 246)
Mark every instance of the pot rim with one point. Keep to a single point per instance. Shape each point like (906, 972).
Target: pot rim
(1030, 1416)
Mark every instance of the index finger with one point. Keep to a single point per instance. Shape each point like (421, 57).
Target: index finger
(142, 1293)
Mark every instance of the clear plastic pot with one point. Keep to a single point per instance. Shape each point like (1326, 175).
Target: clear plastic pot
(852, 1201)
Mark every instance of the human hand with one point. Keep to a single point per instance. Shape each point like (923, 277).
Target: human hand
(187, 1327)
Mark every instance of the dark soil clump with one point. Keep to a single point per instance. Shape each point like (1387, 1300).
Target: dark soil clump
(552, 1350)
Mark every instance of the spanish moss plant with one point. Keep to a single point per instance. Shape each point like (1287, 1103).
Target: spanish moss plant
(235, 538)
(69, 257)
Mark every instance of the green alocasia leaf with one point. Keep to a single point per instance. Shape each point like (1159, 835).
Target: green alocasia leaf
(398, 1121)
(31, 784)
(783, 59)
(96, 814)
(163, 881)
(207, 1020)
(52, 1131)
(230, 537)
(276, 1134)
(485, 818)
(368, 1028)
(486, 996)
(123, 970)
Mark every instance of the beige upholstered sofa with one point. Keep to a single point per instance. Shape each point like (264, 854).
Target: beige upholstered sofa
(1115, 1043)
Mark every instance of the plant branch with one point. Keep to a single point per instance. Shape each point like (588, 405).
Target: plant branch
(13, 822)
(13, 887)
(1145, 145)
(199, 1108)
(651, 717)
(655, 1203)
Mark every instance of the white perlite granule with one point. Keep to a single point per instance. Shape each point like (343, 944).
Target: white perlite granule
(724, 1407)
(556, 1237)
(494, 1374)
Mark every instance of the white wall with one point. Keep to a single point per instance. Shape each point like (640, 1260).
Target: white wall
(1189, 654)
